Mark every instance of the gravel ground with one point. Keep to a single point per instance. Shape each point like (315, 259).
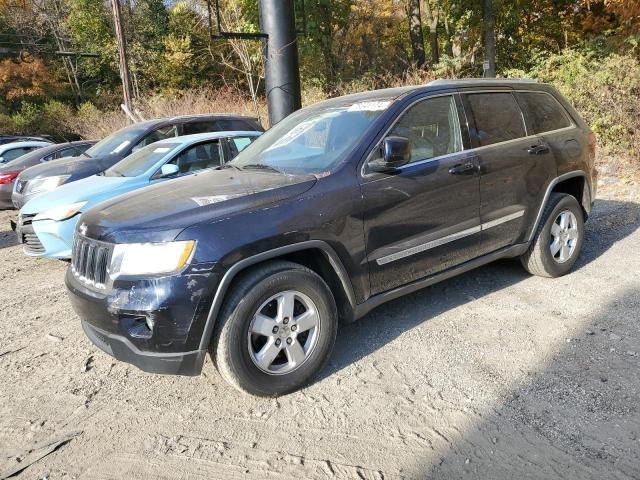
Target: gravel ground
(491, 375)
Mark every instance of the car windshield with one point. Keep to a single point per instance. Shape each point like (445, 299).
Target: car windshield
(141, 161)
(117, 142)
(313, 140)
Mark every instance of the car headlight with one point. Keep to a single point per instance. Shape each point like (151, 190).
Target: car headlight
(150, 258)
(60, 213)
(39, 185)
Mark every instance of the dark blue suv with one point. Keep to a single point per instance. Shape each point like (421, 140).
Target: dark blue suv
(340, 207)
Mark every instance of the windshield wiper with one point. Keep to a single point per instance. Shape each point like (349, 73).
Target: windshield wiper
(227, 165)
(259, 166)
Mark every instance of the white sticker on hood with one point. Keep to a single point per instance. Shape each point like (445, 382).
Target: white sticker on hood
(202, 201)
(373, 106)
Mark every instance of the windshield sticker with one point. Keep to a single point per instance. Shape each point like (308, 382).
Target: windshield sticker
(161, 150)
(369, 106)
(121, 147)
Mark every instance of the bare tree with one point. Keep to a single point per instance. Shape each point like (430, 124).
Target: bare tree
(249, 62)
(489, 38)
(432, 12)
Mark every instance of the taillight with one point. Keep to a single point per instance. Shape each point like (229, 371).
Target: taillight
(7, 177)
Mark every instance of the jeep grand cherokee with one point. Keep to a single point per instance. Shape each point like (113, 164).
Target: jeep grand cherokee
(340, 207)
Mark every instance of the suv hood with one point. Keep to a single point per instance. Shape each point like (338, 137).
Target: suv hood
(159, 213)
(78, 166)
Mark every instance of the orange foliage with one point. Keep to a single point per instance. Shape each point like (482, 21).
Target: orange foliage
(23, 79)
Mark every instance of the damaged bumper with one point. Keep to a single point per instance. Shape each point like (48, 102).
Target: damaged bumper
(154, 324)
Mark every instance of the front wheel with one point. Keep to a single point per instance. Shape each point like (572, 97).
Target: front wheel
(277, 329)
(558, 241)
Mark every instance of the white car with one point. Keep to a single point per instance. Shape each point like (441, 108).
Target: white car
(13, 150)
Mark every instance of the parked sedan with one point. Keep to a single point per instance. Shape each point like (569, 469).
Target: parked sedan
(12, 150)
(46, 224)
(110, 150)
(9, 171)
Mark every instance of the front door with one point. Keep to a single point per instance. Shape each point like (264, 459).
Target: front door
(424, 218)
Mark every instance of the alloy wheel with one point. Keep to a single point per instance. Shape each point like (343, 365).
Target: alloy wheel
(283, 332)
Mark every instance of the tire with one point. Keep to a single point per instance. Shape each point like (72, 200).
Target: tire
(268, 290)
(540, 259)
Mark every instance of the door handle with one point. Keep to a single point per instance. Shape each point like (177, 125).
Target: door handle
(538, 149)
(463, 168)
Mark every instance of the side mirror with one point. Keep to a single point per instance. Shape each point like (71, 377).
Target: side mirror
(396, 152)
(168, 169)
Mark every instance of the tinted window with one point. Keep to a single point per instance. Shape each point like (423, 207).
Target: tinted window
(432, 127)
(237, 144)
(160, 134)
(199, 157)
(497, 117)
(198, 127)
(543, 112)
(231, 125)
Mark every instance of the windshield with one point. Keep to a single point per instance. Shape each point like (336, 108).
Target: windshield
(115, 143)
(141, 161)
(313, 140)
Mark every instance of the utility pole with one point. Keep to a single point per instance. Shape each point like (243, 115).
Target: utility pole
(489, 27)
(122, 50)
(282, 72)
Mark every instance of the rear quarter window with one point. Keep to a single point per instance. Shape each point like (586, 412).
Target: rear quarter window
(543, 112)
(497, 117)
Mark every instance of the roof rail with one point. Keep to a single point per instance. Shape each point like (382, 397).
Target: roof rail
(480, 80)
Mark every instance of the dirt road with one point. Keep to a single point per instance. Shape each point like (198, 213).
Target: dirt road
(492, 375)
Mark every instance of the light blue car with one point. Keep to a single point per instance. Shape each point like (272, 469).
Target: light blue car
(46, 224)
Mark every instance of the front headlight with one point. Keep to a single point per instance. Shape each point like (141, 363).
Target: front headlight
(60, 213)
(150, 258)
(39, 185)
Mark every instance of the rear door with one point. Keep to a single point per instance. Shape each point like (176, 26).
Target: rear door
(514, 164)
(424, 218)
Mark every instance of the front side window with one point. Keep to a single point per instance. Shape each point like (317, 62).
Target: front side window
(432, 128)
(543, 112)
(312, 140)
(161, 133)
(198, 157)
(497, 117)
(141, 161)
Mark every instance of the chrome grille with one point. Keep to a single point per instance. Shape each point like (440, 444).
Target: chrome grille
(90, 260)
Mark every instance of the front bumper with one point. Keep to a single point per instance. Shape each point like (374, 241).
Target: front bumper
(154, 324)
(6, 191)
(48, 238)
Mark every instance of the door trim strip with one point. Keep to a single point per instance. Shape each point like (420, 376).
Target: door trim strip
(448, 238)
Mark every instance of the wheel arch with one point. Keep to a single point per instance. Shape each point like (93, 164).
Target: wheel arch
(316, 255)
(573, 183)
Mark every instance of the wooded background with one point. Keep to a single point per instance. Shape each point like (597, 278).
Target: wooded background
(590, 49)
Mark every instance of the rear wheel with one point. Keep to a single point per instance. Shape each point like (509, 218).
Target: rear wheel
(558, 241)
(276, 331)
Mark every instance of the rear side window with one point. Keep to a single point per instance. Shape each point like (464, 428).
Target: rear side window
(233, 125)
(15, 153)
(198, 127)
(497, 117)
(543, 112)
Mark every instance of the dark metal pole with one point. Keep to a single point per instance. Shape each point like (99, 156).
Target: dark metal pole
(277, 21)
